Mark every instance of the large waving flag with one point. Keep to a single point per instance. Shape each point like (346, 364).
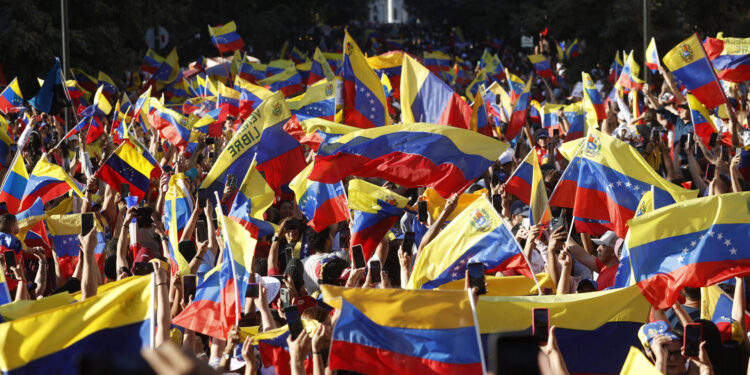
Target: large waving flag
(228, 100)
(209, 125)
(607, 335)
(702, 123)
(225, 37)
(527, 183)
(47, 181)
(445, 158)
(253, 198)
(690, 65)
(629, 77)
(716, 306)
(14, 185)
(363, 95)
(477, 234)
(396, 331)
(151, 62)
(171, 125)
(374, 211)
(279, 155)
(426, 98)
(318, 101)
(204, 314)
(492, 65)
(652, 56)
(319, 69)
(730, 57)
(11, 99)
(112, 325)
(541, 66)
(288, 82)
(251, 96)
(520, 110)
(323, 204)
(515, 84)
(480, 121)
(389, 64)
(127, 165)
(236, 265)
(609, 178)
(695, 243)
(274, 349)
(596, 109)
(178, 206)
(480, 79)
(437, 62)
(314, 131)
(64, 231)
(51, 96)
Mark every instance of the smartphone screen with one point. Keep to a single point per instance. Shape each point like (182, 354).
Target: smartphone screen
(202, 197)
(556, 223)
(293, 320)
(692, 339)
(252, 290)
(422, 211)
(712, 140)
(497, 201)
(87, 223)
(375, 271)
(142, 268)
(358, 256)
(725, 153)
(738, 151)
(124, 190)
(495, 176)
(210, 141)
(232, 181)
(526, 222)
(188, 287)
(408, 243)
(683, 141)
(540, 324)
(284, 297)
(690, 141)
(187, 249)
(289, 253)
(202, 230)
(710, 171)
(10, 260)
(476, 276)
(555, 132)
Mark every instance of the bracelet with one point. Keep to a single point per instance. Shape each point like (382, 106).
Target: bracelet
(165, 238)
(164, 283)
(276, 239)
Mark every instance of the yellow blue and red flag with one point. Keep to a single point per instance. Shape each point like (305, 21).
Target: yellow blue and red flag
(236, 265)
(480, 79)
(4, 292)
(253, 198)
(716, 306)
(47, 181)
(319, 101)
(251, 95)
(527, 183)
(171, 125)
(318, 130)
(616, 69)
(541, 66)
(702, 123)
(128, 165)
(204, 314)
(100, 106)
(319, 69)
(363, 95)
(228, 100)
(652, 56)
(437, 62)
(389, 64)
(288, 82)
(151, 62)
(14, 185)
(63, 233)
(169, 69)
(515, 84)
(629, 77)
(109, 89)
(225, 37)
(84, 79)
(730, 57)
(480, 121)
(322, 203)
(445, 158)
(274, 350)
(11, 99)
(518, 116)
(492, 65)
(690, 65)
(374, 211)
(592, 101)
(396, 331)
(178, 206)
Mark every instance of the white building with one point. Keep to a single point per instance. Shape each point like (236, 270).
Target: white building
(388, 11)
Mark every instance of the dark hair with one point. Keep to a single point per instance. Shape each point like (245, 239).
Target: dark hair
(317, 240)
(315, 312)
(692, 293)
(296, 270)
(6, 222)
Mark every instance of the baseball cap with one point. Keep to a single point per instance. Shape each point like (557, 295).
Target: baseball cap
(506, 156)
(607, 239)
(519, 208)
(649, 331)
(585, 282)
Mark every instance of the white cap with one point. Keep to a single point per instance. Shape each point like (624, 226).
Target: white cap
(507, 156)
(607, 239)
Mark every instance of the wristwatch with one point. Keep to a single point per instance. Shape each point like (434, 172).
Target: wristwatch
(226, 355)
(276, 239)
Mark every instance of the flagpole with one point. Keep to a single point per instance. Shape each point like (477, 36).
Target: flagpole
(228, 248)
(476, 329)
(152, 310)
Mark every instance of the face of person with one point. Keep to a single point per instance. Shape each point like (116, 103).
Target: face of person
(675, 360)
(542, 142)
(285, 210)
(604, 253)
(291, 236)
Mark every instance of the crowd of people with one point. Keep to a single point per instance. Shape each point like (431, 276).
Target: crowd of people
(290, 265)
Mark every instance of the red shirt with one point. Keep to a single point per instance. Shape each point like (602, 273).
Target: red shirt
(606, 275)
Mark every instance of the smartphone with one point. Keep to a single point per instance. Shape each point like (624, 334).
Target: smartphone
(654, 135)
(710, 172)
(293, 320)
(124, 190)
(289, 252)
(422, 211)
(712, 140)
(495, 176)
(683, 141)
(87, 223)
(497, 201)
(210, 141)
(358, 256)
(232, 181)
(725, 153)
(286, 301)
(540, 324)
(252, 290)
(187, 249)
(556, 132)
(738, 151)
(689, 142)
(142, 268)
(408, 243)
(556, 223)
(375, 271)
(188, 287)
(10, 260)
(692, 339)
(476, 276)
(202, 197)
(202, 230)
(526, 223)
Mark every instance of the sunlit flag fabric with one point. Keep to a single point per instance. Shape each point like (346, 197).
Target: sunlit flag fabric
(225, 37)
(318, 130)
(253, 198)
(629, 77)
(492, 66)
(389, 64)
(426, 98)
(318, 101)
(374, 211)
(396, 331)
(730, 57)
(239, 250)
(127, 165)
(279, 155)
(716, 306)
(527, 184)
(695, 243)
(63, 232)
(636, 363)
(520, 110)
(477, 234)
(4, 292)
(604, 183)
(100, 106)
(47, 181)
(437, 62)
(169, 69)
(322, 203)
(274, 349)
(288, 82)
(479, 79)
(690, 65)
(363, 95)
(114, 325)
(251, 96)
(616, 69)
(228, 100)
(541, 65)
(14, 185)
(151, 61)
(445, 158)
(178, 206)
(204, 314)
(11, 99)
(319, 69)
(652, 56)
(702, 123)
(515, 84)
(171, 125)
(592, 100)
(479, 119)
(607, 335)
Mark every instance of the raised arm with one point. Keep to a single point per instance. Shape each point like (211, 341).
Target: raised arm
(437, 225)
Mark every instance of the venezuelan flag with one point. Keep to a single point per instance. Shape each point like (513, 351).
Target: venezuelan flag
(508, 285)
(652, 56)
(629, 77)
(204, 314)
(592, 100)
(390, 64)
(304, 70)
(109, 89)
(610, 177)
(23, 308)
(541, 66)
(527, 183)
(171, 125)
(445, 158)
(322, 203)
(363, 95)
(274, 350)
(436, 203)
(114, 325)
(335, 60)
(693, 243)
(169, 69)
(479, 119)
(199, 106)
(492, 65)
(477, 234)
(572, 51)
(151, 62)
(127, 165)
(702, 123)
(178, 206)
(84, 79)
(616, 68)
(396, 331)
(11, 99)
(480, 79)
(252, 72)
(690, 65)
(47, 181)
(518, 116)
(4, 292)
(228, 100)
(209, 125)
(239, 250)
(289, 82)
(64, 231)
(606, 335)
(319, 101)
(27, 218)
(500, 111)
(716, 306)
(251, 96)
(426, 98)
(253, 198)
(319, 69)
(730, 57)
(374, 211)
(636, 363)
(100, 107)
(14, 185)
(436, 61)
(318, 130)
